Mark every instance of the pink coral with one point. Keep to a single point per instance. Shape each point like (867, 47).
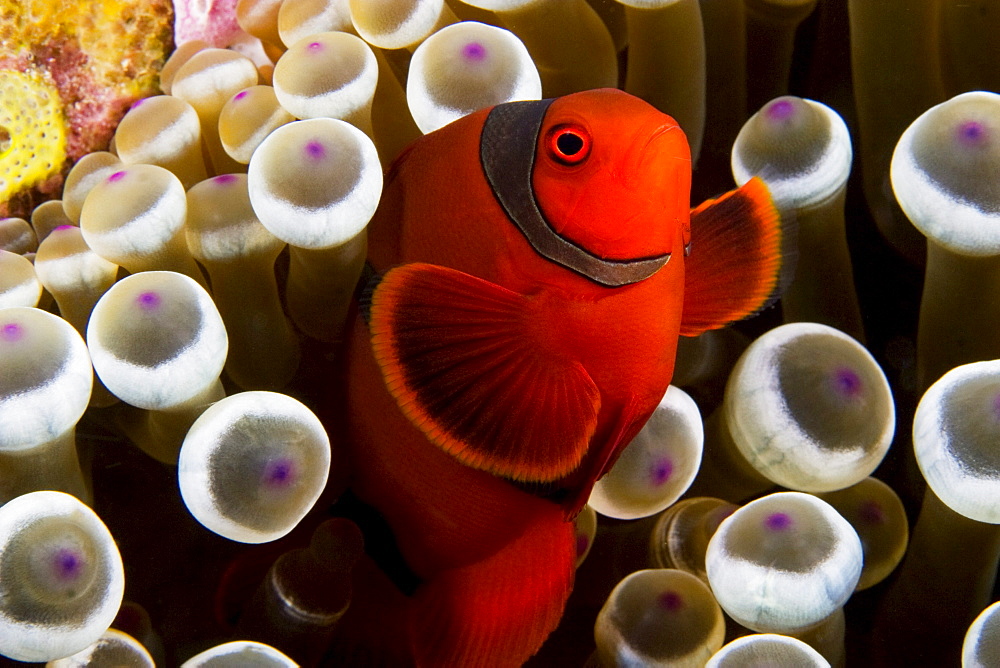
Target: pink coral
(212, 21)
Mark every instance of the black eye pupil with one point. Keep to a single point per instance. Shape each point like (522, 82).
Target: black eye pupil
(569, 143)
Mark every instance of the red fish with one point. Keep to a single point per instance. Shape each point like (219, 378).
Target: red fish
(536, 263)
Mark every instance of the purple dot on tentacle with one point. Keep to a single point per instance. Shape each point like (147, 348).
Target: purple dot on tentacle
(117, 176)
(972, 134)
(781, 110)
(64, 227)
(871, 512)
(847, 382)
(660, 471)
(67, 564)
(315, 150)
(242, 94)
(11, 332)
(137, 103)
(778, 521)
(670, 601)
(224, 179)
(474, 51)
(148, 301)
(279, 473)
(315, 46)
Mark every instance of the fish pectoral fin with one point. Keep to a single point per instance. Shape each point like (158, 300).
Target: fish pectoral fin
(602, 457)
(470, 364)
(740, 261)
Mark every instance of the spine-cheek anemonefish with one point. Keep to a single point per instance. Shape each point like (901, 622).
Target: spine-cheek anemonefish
(532, 267)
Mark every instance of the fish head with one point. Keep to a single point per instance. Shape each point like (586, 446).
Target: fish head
(612, 175)
(598, 182)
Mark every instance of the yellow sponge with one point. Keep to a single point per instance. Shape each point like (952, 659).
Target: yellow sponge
(32, 131)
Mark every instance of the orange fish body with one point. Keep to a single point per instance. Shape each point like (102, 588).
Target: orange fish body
(533, 282)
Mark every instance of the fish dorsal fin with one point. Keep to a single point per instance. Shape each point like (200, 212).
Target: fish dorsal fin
(470, 364)
(739, 261)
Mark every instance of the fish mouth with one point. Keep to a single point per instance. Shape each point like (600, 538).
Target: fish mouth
(664, 129)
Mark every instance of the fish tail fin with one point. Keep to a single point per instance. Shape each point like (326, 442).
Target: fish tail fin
(499, 611)
(742, 258)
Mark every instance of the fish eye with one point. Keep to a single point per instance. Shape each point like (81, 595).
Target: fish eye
(568, 144)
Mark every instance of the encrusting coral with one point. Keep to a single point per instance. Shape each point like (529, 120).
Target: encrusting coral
(77, 70)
